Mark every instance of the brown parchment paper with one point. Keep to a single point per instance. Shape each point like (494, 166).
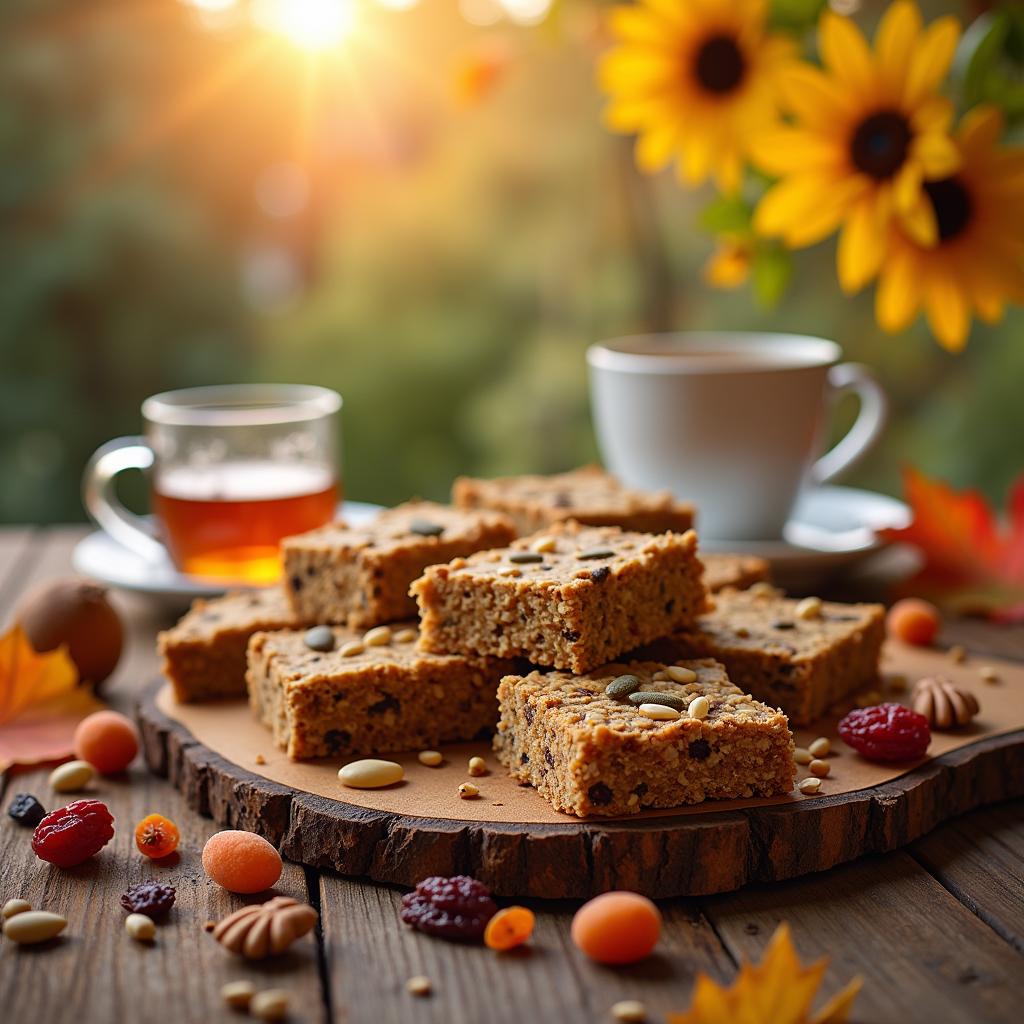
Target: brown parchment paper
(229, 729)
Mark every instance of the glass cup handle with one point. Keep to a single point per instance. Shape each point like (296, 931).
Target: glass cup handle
(867, 428)
(101, 501)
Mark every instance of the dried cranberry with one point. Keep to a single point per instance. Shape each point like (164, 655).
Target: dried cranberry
(150, 898)
(26, 810)
(72, 834)
(451, 908)
(886, 732)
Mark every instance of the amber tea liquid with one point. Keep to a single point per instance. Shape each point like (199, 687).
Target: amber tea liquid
(226, 521)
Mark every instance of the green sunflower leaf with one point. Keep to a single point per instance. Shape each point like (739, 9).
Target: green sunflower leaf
(771, 272)
(795, 15)
(992, 59)
(726, 215)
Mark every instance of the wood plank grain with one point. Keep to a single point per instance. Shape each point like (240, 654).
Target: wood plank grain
(979, 858)
(924, 956)
(370, 955)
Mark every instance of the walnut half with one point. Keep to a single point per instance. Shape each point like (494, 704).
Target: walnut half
(942, 703)
(267, 929)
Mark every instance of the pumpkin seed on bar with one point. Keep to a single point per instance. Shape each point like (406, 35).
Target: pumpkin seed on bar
(425, 528)
(647, 697)
(622, 686)
(319, 638)
(525, 557)
(591, 553)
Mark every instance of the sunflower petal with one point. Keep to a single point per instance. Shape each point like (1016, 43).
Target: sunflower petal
(728, 266)
(934, 115)
(898, 295)
(634, 69)
(813, 97)
(805, 208)
(980, 129)
(862, 245)
(894, 44)
(931, 60)
(633, 24)
(947, 311)
(656, 147)
(936, 153)
(845, 52)
(789, 150)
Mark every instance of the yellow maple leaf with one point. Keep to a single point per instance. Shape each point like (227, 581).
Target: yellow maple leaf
(40, 702)
(779, 990)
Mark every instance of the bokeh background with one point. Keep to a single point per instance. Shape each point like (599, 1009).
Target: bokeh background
(414, 203)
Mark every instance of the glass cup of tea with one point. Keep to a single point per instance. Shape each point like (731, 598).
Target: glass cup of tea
(233, 470)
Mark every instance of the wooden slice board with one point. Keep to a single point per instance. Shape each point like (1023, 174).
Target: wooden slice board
(226, 765)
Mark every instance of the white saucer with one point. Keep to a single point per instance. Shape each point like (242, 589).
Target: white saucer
(104, 559)
(831, 528)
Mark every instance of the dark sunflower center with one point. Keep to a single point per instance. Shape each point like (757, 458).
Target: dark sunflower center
(952, 205)
(720, 64)
(880, 144)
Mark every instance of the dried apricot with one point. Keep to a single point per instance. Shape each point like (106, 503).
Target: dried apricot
(509, 928)
(617, 927)
(107, 740)
(156, 836)
(914, 622)
(241, 862)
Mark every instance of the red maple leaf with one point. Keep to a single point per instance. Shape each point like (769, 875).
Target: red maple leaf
(973, 563)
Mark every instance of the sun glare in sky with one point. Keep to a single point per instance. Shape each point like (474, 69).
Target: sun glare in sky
(309, 24)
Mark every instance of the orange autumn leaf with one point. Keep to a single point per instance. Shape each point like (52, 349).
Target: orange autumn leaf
(41, 702)
(972, 562)
(779, 990)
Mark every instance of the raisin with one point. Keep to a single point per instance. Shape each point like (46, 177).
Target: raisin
(384, 705)
(71, 835)
(337, 740)
(26, 810)
(151, 898)
(699, 750)
(599, 573)
(670, 606)
(549, 757)
(600, 795)
(571, 635)
(296, 582)
(456, 908)
(528, 713)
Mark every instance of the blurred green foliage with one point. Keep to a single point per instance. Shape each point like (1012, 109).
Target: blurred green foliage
(445, 268)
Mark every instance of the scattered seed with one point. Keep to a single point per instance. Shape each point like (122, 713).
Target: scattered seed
(958, 653)
(319, 638)
(468, 791)
(425, 528)
(260, 759)
(897, 683)
(350, 649)
(405, 636)
(681, 674)
(630, 1011)
(652, 697)
(419, 985)
(820, 747)
(802, 755)
(699, 707)
(989, 674)
(658, 712)
(762, 589)
(238, 994)
(477, 766)
(622, 686)
(12, 907)
(783, 624)
(32, 926)
(431, 758)
(819, 768)
(379, 636)
(271, 1004)
(71, 776)
(140, 927)
(593, 553)
(808, 608)
(810, 785)
(511, 571)
(525, 557)
(371, 773)
(545, 545)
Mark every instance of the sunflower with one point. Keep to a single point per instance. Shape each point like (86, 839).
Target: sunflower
(977, 263)
(870, 129)
(695, 80)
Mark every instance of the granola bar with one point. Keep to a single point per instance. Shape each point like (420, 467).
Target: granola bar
(204, 654)
(588, 495)
(363, 698)
(360, 576)
(590, 753)
(737, 571)
(572, 597)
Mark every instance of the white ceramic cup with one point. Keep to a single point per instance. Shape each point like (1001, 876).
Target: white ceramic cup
(732, 421)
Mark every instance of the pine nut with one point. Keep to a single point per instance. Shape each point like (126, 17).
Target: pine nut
(12, 907)
(350, 649)
(699, 707)
(371, 773)
(271, 1004)
(140, 927)
(544, 545)
(238, 994)
(477, 766)
(71, 776)
(802, 755)
(468, 791)
(809, 608)
(379, 636)
(629, 1011)
(419, 985)
(989, 674)
(405, 636)
(681, 674)
(34, 926)
(811, 785)
(819, 768)
(820, 747)
(431, 758)
(658, 712)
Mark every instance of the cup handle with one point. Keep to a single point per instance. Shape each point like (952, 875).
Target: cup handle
(867, 428)
(101, 501)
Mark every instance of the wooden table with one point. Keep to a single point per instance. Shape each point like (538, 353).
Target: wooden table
(937, 930)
